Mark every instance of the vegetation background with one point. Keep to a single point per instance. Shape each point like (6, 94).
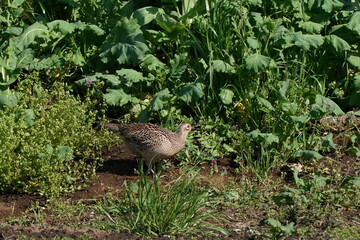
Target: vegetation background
(255, 78)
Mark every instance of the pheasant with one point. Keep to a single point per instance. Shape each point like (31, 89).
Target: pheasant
(150, 141)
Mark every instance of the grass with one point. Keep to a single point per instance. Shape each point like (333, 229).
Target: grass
(148, 208)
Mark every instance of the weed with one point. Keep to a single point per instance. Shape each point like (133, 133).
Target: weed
(349, 233)
(51, 147)
(279, 231)
(147, 208)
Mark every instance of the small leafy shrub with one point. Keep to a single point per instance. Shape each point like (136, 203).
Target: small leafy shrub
(314, 200)
(278, 230)
(304, 191)
(349, 233)
(148, 208)
(47, 143)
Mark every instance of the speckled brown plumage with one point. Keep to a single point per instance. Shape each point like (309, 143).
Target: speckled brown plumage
(150, 141)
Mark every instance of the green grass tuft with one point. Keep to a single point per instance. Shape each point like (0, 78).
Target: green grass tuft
(148, 208)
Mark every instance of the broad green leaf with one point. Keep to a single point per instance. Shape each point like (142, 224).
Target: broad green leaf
(30, 33)
(87, 80)
(354, 23)
(157, 103)
(308, 155)
(354, 151)
(253, 43)
(331, 5)
(289, 107)
(327, 142)
(62, 26)
(304, 41)
(14, 31)
(311, 27)
(354, 60)
(8, 75)
(97, 30)
(168, 23)
(355, 95)
(25, 58)
(338, 43)
(192, 91)
(280, 33)
(257, 62)
(9, 98)
(228, 148)
(178, 66)
(221, 66)
(16, 3)
(258, 18)
(226, 96)
(80, 25)
(313, 40)
(319, 181)
(64, 153)
(78, 58)
(330, 105)
(125, 44)
(254, 2)
(29, 117)
(298, 181)
(265, 103)
(111, 79)
(268, 138)
(336, 28)
(117, 97)
(191, 9)
(152, 64)
(130, 75)
(145, 15)
(357, 81)
(273, 222)
(288, 229)
(46, 62)
(300, 119)
(283, 87)
(356, 181)
(324, 105)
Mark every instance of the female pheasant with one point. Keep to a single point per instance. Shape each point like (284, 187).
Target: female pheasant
(150, 141)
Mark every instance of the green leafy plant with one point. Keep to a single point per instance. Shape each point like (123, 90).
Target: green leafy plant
(48, 144)
(278, 230)
(148, 208)
(304, 190)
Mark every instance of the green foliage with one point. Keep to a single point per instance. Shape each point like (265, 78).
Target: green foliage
(303, 190)
(125, 44)
(278, 230)
(350, 233)
(51, 147)
(354, 150)
(148, 208)
(271, 68)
